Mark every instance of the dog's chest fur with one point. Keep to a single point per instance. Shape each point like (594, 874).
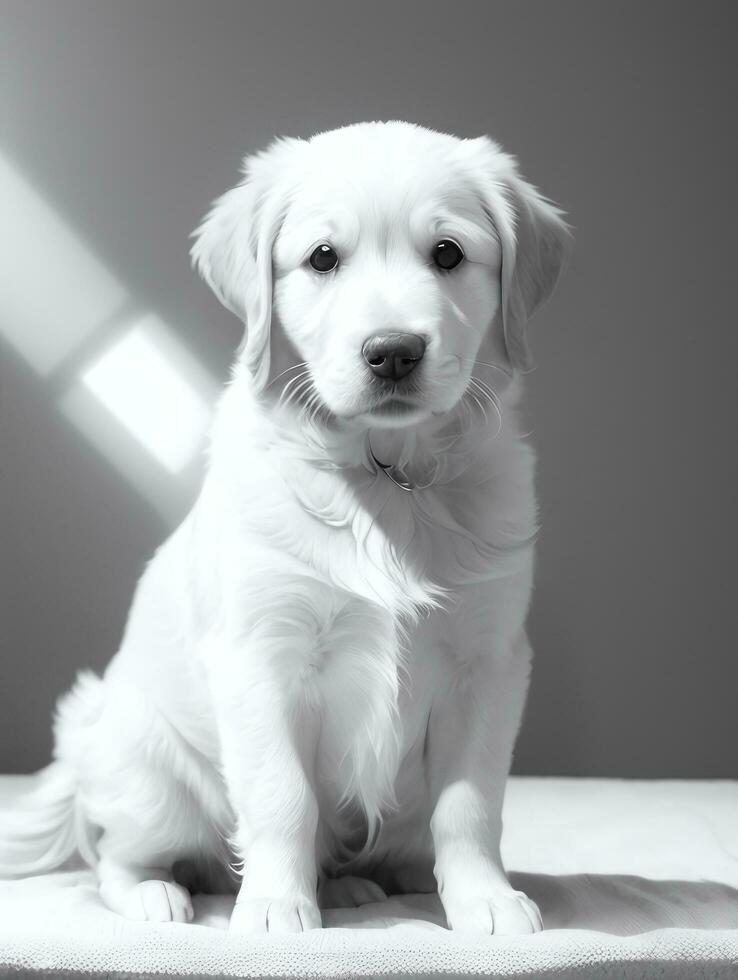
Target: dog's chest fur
(344, 522)
(404, 551)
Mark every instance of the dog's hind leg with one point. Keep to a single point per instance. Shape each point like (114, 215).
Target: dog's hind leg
(138, 892)
(153, 798)
(160, 823)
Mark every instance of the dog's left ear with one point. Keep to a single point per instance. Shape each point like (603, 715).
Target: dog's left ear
(233, 246)
(535, 242)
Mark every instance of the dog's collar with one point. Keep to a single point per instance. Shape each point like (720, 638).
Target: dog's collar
(395, 473)
(398, 477)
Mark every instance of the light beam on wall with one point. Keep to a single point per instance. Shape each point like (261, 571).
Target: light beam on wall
(140, 386)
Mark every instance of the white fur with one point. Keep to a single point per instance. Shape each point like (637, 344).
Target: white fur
(323, 675)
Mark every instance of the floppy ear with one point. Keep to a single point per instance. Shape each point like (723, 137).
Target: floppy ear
(535, 242)
(233, 246)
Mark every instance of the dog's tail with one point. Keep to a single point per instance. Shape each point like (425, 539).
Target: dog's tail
(44, 827)
(38, 831)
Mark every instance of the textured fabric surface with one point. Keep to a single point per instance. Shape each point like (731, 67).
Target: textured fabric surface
(634, 879)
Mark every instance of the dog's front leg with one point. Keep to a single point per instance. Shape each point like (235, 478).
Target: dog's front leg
(268, 734)
(471, 733)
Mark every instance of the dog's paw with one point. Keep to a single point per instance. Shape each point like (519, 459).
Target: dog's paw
(158, 901)
(275, 915)
(348, 892)
(499, 913)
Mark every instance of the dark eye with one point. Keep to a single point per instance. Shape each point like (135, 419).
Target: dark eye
(324, 259)
(447, 254)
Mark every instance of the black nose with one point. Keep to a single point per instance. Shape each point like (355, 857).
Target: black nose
(393, 355)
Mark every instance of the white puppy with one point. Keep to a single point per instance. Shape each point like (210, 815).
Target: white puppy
(324, 667)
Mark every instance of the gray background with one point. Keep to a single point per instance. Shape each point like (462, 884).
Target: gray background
(130, 117)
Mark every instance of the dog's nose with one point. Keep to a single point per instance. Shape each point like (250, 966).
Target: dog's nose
(393, 355)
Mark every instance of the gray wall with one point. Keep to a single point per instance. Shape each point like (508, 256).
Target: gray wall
(129, 117)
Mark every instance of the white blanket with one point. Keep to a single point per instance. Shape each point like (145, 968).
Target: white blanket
(634, 879)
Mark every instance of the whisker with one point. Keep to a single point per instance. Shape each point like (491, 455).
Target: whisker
(299, 391)
(489, 394)
(481, 407)
(294, 367)
(297, 383)
(497, 367)
(312, 404)
(488, 390)
(470, 395)
(491, 397)
(295, 380)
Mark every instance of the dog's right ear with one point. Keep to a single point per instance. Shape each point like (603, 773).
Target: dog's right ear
(233, 245)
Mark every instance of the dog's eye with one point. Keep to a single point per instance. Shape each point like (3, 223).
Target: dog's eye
(447, 254)
(324, 259)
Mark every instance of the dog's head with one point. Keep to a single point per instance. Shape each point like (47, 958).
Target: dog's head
(393, 256)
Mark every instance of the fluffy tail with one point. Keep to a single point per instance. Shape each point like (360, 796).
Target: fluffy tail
(38, 832)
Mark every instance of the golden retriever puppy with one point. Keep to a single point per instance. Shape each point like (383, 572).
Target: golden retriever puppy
(324, 667)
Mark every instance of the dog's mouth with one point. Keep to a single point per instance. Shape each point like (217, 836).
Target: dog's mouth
(396, 405)
(395, 410)
(399, 404)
